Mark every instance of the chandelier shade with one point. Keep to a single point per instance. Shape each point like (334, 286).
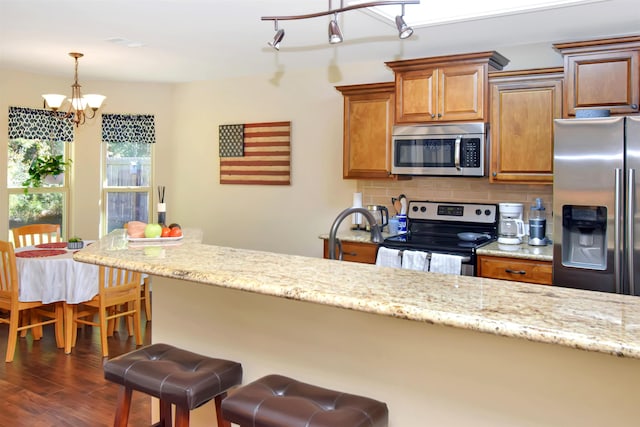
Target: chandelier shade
(81, 107)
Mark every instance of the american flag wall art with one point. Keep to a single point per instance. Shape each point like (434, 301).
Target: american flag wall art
(255, 153)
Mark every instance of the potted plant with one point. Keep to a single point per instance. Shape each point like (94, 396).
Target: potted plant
(75, 243)
(43, 167)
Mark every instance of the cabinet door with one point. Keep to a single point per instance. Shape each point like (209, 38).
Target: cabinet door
(608, 80)
(416, 93)
(523, 109)
(368, 124)
(520, 270)
(355, 251)
(461, 93)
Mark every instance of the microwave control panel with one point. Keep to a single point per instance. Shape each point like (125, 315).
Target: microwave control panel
(470, 153)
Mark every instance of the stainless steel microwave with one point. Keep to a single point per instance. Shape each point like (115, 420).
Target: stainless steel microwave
(452, 149)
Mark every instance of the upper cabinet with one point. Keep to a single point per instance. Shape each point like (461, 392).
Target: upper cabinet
(368, 123)
(444, 88)
(524, 105)
(602, 73)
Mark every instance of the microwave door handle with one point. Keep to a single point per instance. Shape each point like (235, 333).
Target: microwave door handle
(457, 152)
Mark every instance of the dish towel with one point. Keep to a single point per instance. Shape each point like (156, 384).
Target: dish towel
(444, 263)
(388, 257)
(414, 260)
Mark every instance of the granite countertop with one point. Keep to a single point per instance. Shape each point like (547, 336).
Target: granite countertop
(524, 251)
(593, 321)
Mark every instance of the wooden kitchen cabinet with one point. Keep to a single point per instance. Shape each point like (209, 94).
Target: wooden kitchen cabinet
(368, 124)
(355, 251)
(445, 88)
(603, 74)
(524, 105)
(520, 270)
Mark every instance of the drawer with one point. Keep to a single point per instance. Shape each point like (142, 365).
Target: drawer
(520, 270)
(355, 251)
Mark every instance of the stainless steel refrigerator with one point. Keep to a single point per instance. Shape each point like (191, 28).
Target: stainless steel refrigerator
(596, 204)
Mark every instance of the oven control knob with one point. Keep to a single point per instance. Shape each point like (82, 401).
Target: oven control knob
(478, 212)
(487, 212)
(423, 209)
(415, 209)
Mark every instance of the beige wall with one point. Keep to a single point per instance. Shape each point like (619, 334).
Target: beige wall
(286, 219)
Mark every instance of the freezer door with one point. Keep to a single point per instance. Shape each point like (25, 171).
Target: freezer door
(589, 172)
(633, 236)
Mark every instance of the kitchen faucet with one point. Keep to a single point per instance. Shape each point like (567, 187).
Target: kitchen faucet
(376, 234)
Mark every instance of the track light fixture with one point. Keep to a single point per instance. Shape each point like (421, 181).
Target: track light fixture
(404, 31)
(81, 107)
(335, 35)
(275, 43)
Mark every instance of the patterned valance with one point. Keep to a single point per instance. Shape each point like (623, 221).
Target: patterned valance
(128, 128)
(45, 125)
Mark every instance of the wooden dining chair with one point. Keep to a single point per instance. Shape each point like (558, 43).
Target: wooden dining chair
(33, 234)
(31, 313)
(118, 296)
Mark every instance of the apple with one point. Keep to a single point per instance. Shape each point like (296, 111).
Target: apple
(152, 230)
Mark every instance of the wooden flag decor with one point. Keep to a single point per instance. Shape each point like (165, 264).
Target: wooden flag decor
(256, 153)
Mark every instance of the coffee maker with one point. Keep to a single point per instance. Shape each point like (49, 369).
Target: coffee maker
(510, 227)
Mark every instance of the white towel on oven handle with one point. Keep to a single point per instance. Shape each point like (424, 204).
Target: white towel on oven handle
(387, 257)
(445, 263)
(415, 260)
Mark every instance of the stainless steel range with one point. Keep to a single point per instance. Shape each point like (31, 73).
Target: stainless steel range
(436, 227)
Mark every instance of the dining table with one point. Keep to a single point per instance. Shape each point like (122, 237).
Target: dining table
(48, 273)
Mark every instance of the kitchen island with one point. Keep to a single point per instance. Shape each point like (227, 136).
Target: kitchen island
(440, 350)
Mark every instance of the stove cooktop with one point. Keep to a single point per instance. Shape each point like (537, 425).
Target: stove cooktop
(434, 227)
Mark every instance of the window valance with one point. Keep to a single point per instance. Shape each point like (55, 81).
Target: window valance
(45, 125)
(128, 128)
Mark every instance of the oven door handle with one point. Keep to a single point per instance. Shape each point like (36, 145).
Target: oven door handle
(457, 152)
(463, 258)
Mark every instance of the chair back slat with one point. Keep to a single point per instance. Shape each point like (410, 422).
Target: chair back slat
(34, 234)
(9, 272)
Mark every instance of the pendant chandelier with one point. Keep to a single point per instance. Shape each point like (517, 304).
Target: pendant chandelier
(335, 35)
(81, 107)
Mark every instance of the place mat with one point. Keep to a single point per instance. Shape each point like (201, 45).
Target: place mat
(38, 253)
(53, 245)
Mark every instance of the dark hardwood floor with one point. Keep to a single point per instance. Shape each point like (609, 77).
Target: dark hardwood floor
(43, 387)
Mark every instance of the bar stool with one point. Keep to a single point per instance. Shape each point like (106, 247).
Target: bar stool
(278, 401)
(175, 376)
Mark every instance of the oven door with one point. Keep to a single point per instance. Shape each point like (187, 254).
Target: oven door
(468, 267)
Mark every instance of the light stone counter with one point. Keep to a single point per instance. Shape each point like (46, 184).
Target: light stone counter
(524, 251)
(584, 320)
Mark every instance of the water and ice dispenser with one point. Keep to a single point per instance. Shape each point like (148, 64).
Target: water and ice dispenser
(584, 237)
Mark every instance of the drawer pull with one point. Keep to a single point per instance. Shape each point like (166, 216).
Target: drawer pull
(508, 270)
(351, 253)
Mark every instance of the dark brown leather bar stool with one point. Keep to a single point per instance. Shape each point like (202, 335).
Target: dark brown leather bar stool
(277, 401)
(175, 376)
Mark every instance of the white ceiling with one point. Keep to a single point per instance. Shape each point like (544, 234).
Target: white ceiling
(188, 40)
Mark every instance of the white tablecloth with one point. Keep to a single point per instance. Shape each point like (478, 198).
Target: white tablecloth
(56, 278)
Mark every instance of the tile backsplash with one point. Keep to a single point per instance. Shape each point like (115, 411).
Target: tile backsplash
(446, 189)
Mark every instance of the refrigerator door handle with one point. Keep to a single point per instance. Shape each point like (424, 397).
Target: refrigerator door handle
(631, 180)
(617, 232)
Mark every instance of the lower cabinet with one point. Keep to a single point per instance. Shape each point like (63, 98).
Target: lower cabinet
(355, 251)
(519, 270)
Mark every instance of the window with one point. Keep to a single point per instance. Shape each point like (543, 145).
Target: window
(36, 134)
(127, 169)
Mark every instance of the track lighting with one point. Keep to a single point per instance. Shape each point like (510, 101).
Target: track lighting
(275, 43)
(404, 31)
(335, 35)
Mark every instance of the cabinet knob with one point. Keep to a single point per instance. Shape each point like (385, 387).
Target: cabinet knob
(433, 116)
(495, 174)
(634, 106)
(439, 115)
